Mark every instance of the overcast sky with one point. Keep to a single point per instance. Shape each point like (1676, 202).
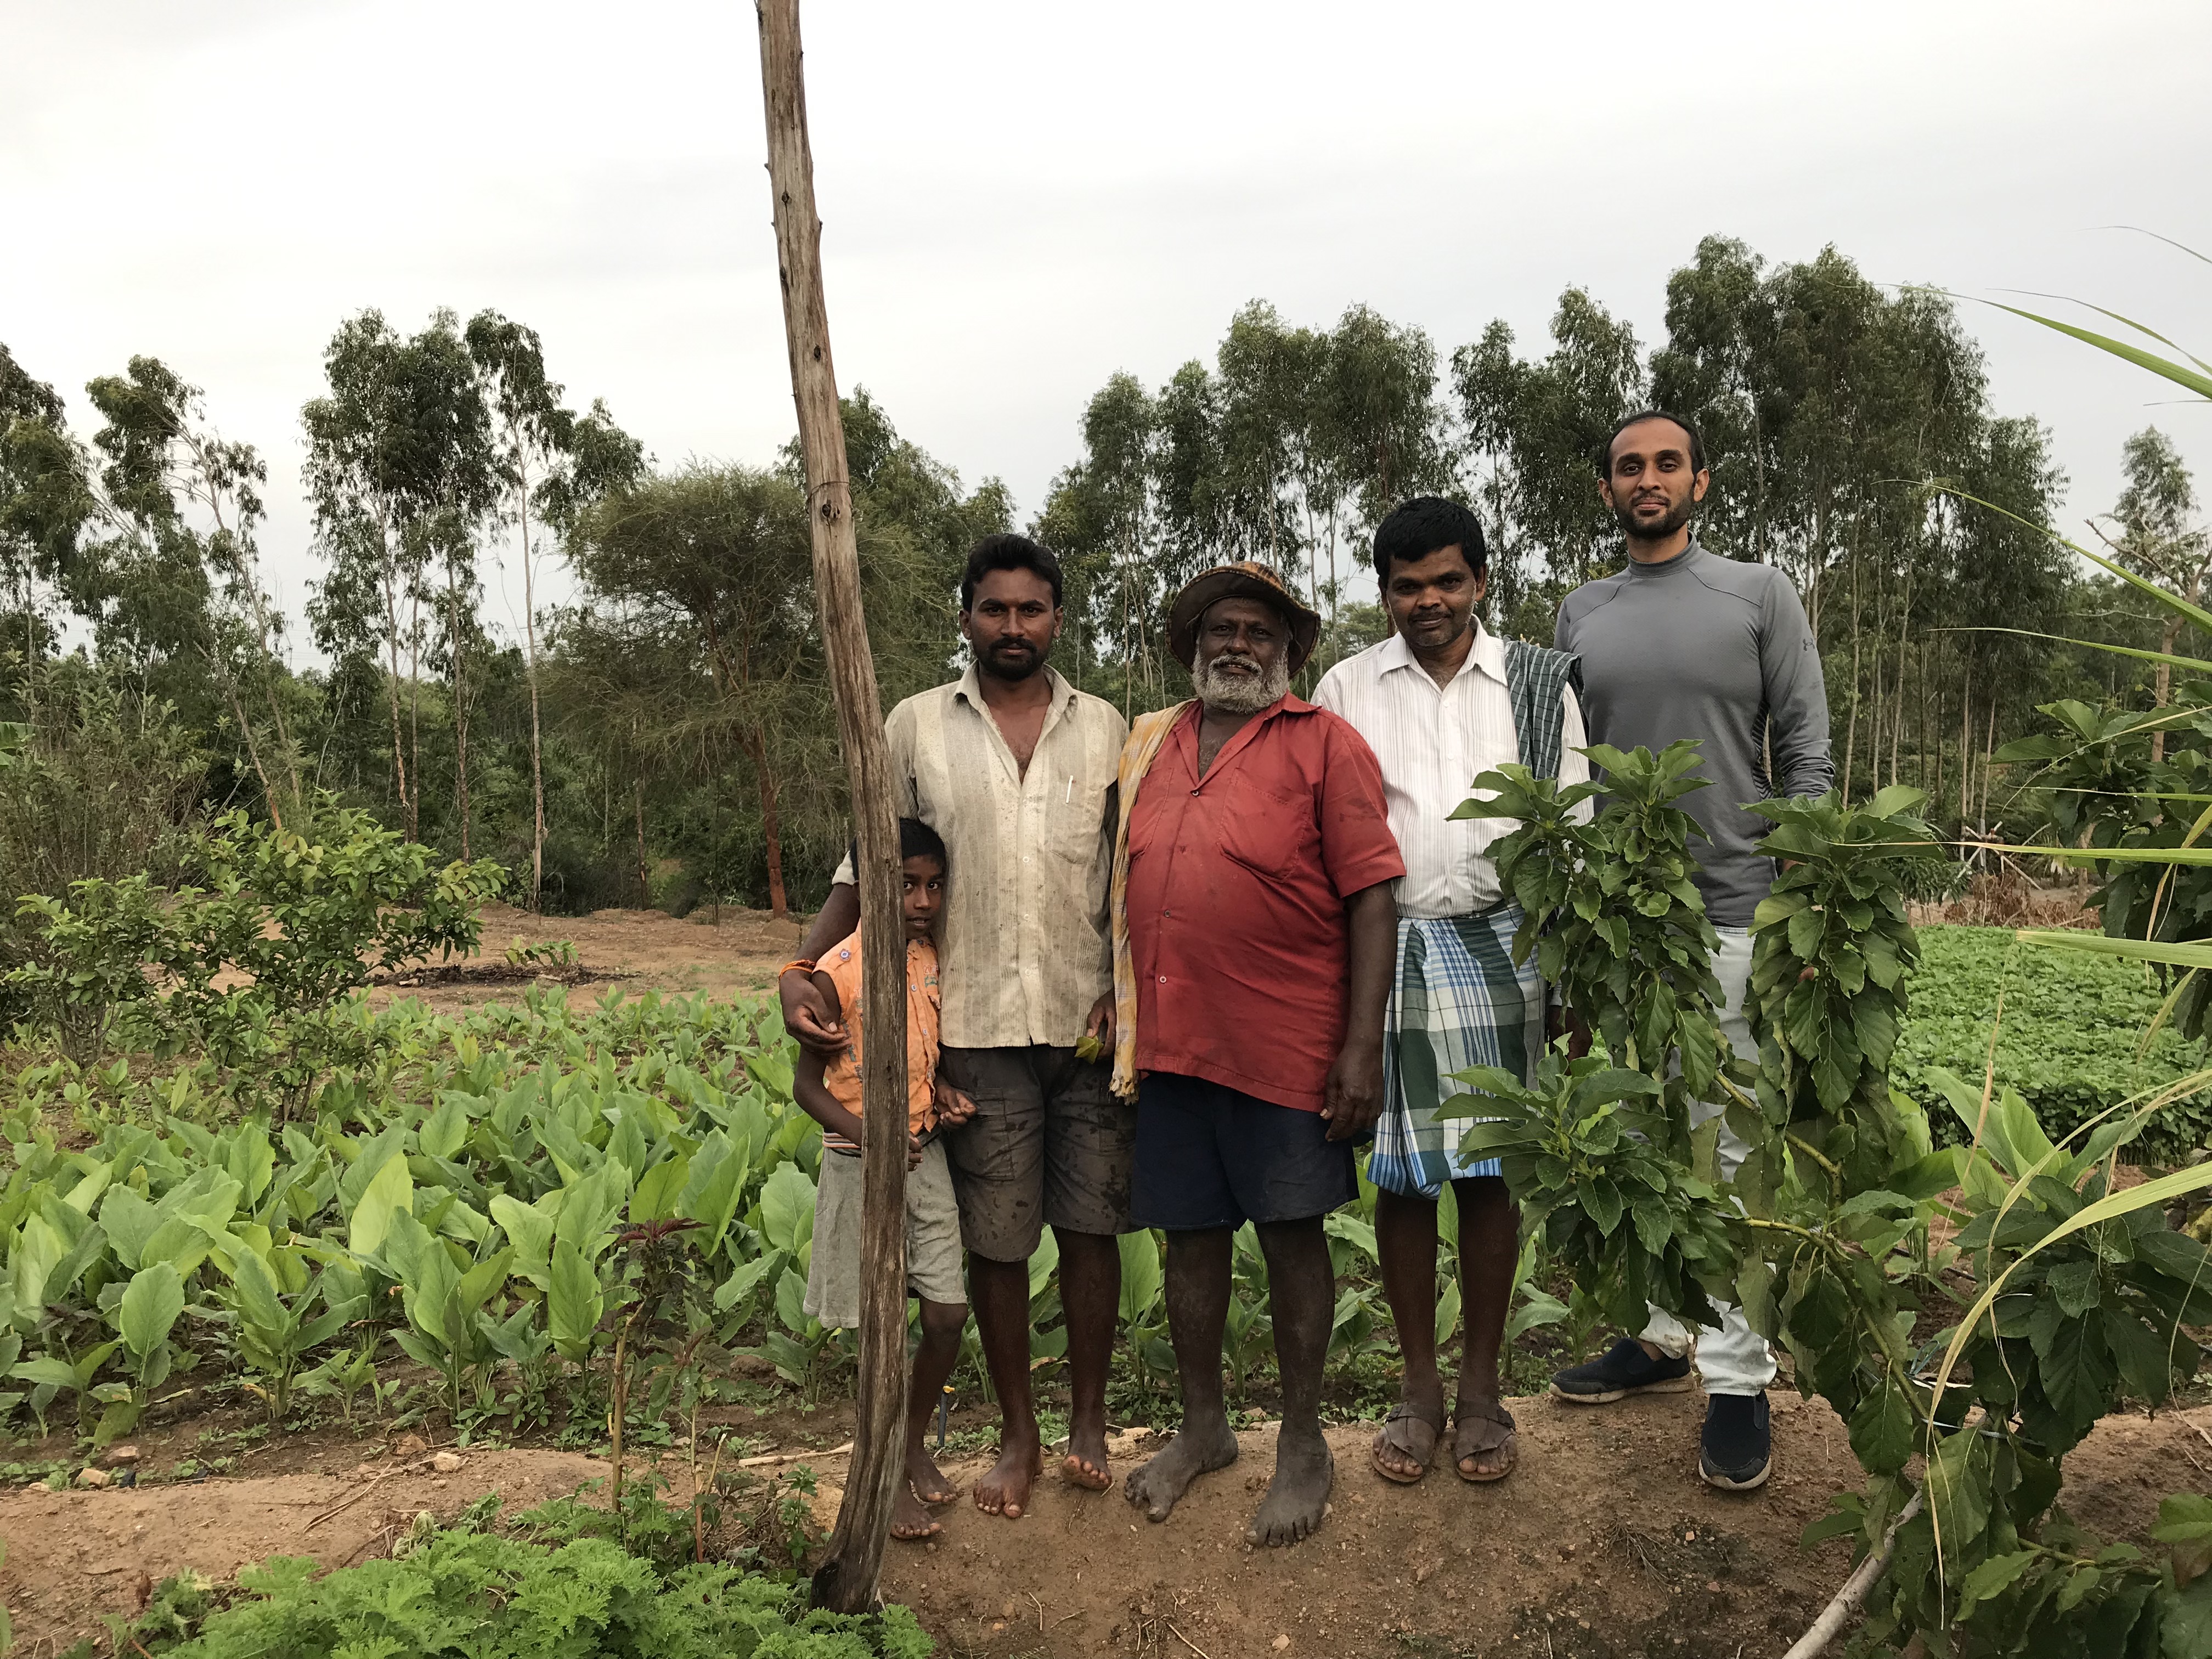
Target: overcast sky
(1020, 199)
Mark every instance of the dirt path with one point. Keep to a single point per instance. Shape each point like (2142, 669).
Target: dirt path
(636, 950)
(1603, 1544)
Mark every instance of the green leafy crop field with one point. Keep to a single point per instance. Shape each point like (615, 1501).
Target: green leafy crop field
(2072, 1027)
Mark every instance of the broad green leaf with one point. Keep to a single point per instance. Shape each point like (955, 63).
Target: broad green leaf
(1140, 1276)
(1992, 1577)
(712, 1190)
(258, 1301)
(787, 1209)
(251, 1161)
(791, 1301)
(658, 1190)
(530, 1230)
(150, 1305)
(1043, 1262)
(130, 1221)
(1881, 1431)
(744, 1280)
(573, 1303)
(445, 1131)
(1447, 1312)
(390, 1191)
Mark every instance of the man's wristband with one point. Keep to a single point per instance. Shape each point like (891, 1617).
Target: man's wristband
(797, 965)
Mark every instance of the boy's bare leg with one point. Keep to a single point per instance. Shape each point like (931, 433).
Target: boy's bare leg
(1406, 1240)
(1001, 1293)
(1198, 1310)
(1302, 1295)
(1090, 1291)
(1489, 1251)
(933, 1359)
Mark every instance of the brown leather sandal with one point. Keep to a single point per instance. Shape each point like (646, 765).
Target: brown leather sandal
(1464, 1413)
(1407, 1413)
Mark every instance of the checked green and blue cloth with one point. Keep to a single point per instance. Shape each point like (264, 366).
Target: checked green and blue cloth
(1458, 1000)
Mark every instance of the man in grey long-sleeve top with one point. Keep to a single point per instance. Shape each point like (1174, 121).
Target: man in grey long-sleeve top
(1683, 643)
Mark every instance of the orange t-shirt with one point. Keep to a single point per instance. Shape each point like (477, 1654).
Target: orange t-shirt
(842, 1076)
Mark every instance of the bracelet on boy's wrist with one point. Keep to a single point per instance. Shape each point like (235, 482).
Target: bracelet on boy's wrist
(797, 965)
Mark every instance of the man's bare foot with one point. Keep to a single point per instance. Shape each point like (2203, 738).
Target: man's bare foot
(928, 1480)
(1005, 1488)
(1084, 1466)
(1297, 1497)
(910, 1520)
(1158, 1486)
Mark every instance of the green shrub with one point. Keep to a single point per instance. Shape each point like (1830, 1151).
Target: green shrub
(480, 1596)
(2071, 1029)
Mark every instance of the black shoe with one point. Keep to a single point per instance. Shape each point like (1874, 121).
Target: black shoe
(1736, 1450)
(1626, 1369)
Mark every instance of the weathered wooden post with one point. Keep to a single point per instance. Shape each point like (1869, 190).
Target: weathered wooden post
(846, 1580)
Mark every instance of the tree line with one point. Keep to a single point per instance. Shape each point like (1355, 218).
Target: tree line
(667, 735)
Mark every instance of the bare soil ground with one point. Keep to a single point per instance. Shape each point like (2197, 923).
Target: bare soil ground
(634, 950)
(1603, 1543)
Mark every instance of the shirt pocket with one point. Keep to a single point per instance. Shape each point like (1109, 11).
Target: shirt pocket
(1079, 828)
(1270, 831)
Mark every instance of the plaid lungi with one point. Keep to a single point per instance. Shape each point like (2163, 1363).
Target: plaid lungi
(1456, 1000)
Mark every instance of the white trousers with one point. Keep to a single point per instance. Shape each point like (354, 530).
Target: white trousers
(1733, 1358)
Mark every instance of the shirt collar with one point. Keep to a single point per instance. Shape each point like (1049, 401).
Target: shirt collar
(971, 688)
(1487, 653)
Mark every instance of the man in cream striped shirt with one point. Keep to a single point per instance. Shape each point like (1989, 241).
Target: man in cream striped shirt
(1016, 770)
(1441, 702)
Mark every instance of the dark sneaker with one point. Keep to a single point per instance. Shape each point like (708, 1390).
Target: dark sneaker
(1736, 1452)
(1623, 1370)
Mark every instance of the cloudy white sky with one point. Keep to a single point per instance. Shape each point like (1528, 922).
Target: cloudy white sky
(1021, 198)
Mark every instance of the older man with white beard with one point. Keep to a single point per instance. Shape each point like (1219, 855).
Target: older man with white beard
(1254, 929)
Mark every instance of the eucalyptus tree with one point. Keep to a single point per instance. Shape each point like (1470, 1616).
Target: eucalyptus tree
(1717, 366)
(1101, 517)
(1543, 421)
(1384, 429)
(2161, 536)
(177, 579)
(402, 473)
(45, 501)
(552, 465)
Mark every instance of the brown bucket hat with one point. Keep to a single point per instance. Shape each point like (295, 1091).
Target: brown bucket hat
(1245, 579)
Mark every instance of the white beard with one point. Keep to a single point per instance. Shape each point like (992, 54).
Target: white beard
(1235, 694)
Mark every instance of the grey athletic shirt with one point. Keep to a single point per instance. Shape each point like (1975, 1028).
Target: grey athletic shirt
(1707, 647)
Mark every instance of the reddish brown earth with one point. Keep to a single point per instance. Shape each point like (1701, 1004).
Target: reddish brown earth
(1603, 1543)
(636, 950)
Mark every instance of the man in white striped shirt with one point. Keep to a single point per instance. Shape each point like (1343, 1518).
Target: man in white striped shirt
(1441, 702)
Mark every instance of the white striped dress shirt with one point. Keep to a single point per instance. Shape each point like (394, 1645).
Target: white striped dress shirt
(1023, 948)
(1433, 741)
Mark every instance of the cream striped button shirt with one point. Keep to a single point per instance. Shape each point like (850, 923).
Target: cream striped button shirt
(1023, 946)
(1433, 742)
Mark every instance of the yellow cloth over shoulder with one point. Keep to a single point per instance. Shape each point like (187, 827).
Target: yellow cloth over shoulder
(1147, 738)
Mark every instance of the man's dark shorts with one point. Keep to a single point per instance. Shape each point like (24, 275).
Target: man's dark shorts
(1049, 1142)
(1210, 1156)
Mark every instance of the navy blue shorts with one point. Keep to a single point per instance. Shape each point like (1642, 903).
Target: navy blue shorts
(1211, 1156)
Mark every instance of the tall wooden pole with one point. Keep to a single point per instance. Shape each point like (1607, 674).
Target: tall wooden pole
(846, 1580)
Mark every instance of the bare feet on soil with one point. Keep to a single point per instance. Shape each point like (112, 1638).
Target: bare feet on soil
(1085, 1464)
(909, 1519)
(1004, 1489)
(1297, 1497)
(928, 1480)
(1158, 1486)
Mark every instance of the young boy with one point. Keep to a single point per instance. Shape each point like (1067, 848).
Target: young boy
(830, 1092)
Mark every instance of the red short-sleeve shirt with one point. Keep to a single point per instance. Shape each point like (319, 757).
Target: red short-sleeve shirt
(1236, 899)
